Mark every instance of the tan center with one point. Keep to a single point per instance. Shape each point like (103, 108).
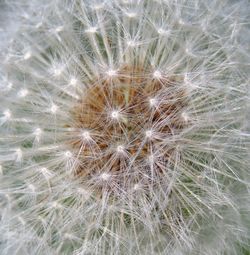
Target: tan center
(126, 120)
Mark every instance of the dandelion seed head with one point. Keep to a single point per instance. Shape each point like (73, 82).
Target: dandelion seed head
(124, 127)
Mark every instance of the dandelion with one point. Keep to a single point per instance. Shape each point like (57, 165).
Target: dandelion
(124, 127)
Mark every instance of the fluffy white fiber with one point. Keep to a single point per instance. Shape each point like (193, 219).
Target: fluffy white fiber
(124, 127)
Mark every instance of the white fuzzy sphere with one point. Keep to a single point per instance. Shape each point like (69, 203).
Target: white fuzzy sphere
(124, 127)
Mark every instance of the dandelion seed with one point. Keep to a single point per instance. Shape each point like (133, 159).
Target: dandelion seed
(105, 176)
(56, 205)
(9, 86)
(131, 43)
(23, 93)
(27, 55)
(151, 158)
(53, 108)
(7, 114)
(152, 102)
(68, 154)
(59, 29)
(46, 173)
(91, 30)
(111, 73)
(120, 149)
(84, 193)
(115, 115)
(185, 116)
(32, 187)
(161, 31)
(157, 74)
(149, 133)
(38, 25)
(86, 135)
(19, 155)
(98, 6)
(22, 220)
(131, 14)
(73, 81)
(136, 186)
(57, 71)
(37, 133)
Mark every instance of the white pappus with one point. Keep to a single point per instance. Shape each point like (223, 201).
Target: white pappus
(124, 127)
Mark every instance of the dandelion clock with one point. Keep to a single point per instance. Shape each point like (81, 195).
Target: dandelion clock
(124, 127)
